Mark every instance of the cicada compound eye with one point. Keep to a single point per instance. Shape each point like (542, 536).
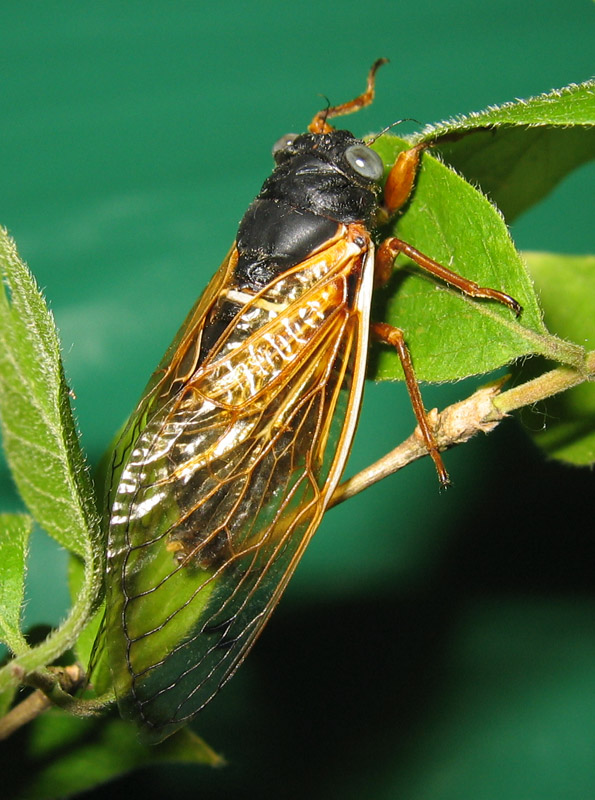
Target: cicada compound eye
(284, 143)
(364, 162)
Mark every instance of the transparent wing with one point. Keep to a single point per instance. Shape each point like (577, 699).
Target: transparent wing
(176, 366)
(227, 483)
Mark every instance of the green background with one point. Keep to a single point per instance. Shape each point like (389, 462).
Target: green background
(431, 645)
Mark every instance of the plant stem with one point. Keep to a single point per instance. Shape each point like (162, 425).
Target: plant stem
(481, 412)
(546, 385)
(26, 711)
(62, 638)
(55, 685)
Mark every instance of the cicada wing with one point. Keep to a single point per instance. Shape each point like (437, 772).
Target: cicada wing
(219, 497)
(175, 367)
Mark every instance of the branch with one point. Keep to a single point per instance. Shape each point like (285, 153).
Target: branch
(54, 686)
(481, 412)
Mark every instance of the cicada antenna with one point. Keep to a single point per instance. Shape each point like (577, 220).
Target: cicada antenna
(390, 127)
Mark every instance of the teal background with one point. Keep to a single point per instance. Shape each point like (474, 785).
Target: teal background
(431, 645)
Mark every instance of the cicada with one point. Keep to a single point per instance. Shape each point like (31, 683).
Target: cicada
(226, 467)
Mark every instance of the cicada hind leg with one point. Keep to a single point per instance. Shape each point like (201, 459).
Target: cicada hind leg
(397, 191)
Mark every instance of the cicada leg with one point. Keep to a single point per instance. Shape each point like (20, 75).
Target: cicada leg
(395, 338)
(397, 191)
(320, 124)
(401, 180)
(390, 249)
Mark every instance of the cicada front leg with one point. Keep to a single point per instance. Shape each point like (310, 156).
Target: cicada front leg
(390, 249)
(398, 189)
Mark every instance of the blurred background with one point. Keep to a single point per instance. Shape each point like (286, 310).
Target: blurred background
(431, 645)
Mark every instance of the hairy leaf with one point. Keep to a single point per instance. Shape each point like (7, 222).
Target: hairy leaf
(452, 336)
(15, 530)
(520, 151)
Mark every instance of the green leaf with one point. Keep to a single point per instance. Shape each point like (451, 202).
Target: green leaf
(452, 336)
(41, 444)
(15, 530)
(520, 151)
(63, 755)
(564, 426)
(37, 425)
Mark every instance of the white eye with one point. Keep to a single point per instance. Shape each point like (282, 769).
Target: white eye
(364, 161)
(284, 142)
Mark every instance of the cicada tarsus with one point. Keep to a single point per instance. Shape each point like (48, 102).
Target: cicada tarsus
(226, 467)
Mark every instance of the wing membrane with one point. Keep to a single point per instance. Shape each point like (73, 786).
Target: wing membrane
(175, 365)
(226, 484)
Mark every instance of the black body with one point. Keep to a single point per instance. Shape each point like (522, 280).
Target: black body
(312, 189)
